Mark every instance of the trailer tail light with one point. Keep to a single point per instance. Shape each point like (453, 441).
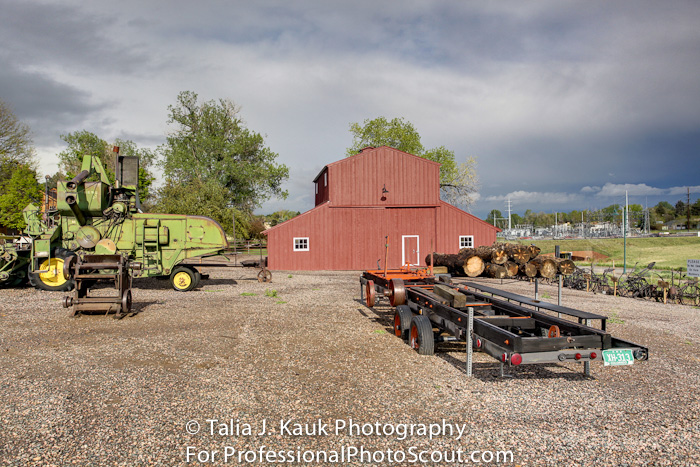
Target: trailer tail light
(504, 358)
(593, 355)
(478, 343)
(577, 356)
(516, 359)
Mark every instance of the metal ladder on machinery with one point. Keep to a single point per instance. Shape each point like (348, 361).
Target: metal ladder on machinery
(150, 246)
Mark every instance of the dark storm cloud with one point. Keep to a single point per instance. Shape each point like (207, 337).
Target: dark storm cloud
(550, 96)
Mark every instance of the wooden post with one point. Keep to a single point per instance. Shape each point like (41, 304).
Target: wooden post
(386, 252)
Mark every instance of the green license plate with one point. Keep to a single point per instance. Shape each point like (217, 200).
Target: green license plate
(618, 357)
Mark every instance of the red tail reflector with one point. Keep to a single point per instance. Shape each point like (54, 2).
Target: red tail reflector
(504, 358)
(516, 359)
(593, 355)
(577, 356)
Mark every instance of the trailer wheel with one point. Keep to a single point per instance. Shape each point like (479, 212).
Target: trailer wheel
(53, 279)
(184, 279)
(398, 292)
(402, 321)
(264, 275)
(370, 294)
(421, 337)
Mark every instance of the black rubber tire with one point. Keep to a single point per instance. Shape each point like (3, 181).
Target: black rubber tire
(421, 336)
(35, 278)
(194, 278)
(402, 321)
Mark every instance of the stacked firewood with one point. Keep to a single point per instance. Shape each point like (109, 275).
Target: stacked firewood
(502, 260)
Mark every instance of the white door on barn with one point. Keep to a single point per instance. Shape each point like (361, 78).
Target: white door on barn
(411, 250)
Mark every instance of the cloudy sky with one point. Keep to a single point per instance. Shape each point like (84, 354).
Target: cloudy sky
(565, 105)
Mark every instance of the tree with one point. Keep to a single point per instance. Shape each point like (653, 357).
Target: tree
(278, 217)
(494, 217)
(16, 145)
(680, 209)
(210, 145)
(20, 189)
(695, 208)
(83, 142)
(458, 181)
(201, 198)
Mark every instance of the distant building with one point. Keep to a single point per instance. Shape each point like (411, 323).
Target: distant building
(380, 196)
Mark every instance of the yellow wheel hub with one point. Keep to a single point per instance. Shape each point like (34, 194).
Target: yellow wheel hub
(54, 272)
(182, 280)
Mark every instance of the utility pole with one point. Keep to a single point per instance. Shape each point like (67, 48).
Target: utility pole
(625, 217)
(508, 205)
(688, 223)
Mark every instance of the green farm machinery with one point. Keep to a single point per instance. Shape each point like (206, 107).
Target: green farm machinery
(100, 218)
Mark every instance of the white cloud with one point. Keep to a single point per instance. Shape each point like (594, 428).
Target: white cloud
(682, 190)
(590, 189)
(537, 197)
(617, 189)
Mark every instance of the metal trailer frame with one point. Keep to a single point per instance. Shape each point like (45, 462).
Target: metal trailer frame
(510, 332)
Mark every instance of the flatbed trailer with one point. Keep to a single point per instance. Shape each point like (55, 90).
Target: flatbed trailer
(513, 329)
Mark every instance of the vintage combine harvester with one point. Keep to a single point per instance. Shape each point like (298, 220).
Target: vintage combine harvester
(98, 218)
(513, 329)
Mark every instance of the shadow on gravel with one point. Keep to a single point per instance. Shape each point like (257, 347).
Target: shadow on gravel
(485, 371)
(153, 283)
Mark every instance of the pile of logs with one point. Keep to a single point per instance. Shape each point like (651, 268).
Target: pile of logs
(502, 260)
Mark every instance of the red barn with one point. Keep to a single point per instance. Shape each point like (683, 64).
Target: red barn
(379, 196)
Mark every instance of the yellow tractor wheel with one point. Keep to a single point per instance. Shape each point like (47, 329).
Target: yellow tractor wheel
(49, 273)
(184, 279)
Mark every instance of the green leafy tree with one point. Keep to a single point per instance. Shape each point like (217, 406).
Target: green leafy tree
(695, 208)
(278, 217)
(20, 189)
(211, 145)
(494, 217)
(680, 209)
(458, 181)
(83, 142)
(16, 145)
(200, 198)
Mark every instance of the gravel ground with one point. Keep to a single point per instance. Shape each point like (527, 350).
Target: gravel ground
(96, 391)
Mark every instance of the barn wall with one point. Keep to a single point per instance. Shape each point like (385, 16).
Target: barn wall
(354, 238)
(321, 187)
(454, 222)
(360, 179)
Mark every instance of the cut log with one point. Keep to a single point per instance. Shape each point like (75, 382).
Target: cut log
(491, 254)
(528, 270)
(511, 268)
(496, 271)
(546, 267)
(499, 256)
(565, 266)
(518, 253)
(534, 251)
(473, 266)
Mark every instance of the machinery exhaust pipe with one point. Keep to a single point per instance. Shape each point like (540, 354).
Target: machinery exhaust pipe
(73, 205)
(77, 180)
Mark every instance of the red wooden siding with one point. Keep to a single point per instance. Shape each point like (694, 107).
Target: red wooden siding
(354, 238)
(453, 222)
(359, 180)
(321, 184)
(347, 229)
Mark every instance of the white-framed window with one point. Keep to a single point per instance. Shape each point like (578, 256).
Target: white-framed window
(301, 243)
(316, 187)
(466, 241)
(325, 179)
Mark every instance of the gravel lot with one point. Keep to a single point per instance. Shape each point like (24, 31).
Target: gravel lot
(97, 391)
